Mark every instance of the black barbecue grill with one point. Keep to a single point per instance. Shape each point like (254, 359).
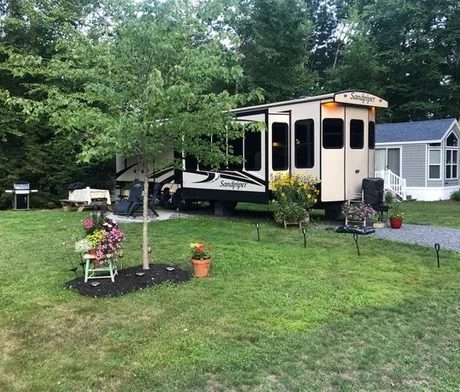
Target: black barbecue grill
(21, 193)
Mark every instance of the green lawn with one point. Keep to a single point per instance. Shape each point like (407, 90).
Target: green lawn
(272, 317)
(439, 213)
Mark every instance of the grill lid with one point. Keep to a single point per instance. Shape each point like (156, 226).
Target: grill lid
(21, 186)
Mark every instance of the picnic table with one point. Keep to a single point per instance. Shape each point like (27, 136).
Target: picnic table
(86, 198)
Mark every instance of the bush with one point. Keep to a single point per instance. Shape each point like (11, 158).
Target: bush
(455, 196)
(290, 211)
(297, 188)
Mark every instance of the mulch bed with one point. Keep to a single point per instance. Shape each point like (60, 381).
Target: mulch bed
(127, 281)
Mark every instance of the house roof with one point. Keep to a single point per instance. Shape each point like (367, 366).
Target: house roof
(414, 131)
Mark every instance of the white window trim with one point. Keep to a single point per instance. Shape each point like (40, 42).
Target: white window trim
(451, 149)
(435, 164)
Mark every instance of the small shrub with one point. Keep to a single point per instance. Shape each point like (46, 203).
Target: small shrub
(455, 195)
(290, 211)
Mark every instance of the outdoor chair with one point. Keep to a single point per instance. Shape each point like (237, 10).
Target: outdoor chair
(133, 203)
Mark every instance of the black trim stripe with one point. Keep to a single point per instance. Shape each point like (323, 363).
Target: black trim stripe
(252, 177)
(209, 178)
(123, 171)
(225, 195)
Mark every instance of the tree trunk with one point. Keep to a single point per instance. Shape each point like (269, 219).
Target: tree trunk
(145, 223)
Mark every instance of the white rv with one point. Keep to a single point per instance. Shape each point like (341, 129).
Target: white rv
(331, 136)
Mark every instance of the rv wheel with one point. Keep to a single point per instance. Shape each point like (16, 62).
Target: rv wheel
(222, 208)
(178, 201)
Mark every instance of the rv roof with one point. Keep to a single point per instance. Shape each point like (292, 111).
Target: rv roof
(353, 97)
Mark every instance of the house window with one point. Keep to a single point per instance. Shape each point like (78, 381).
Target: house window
(452, 157)
(304, 146)
(371, 135)
(434, 164)
(333, 133)
(357, 134)
(279, 146)
(451, 164)
(452, 140)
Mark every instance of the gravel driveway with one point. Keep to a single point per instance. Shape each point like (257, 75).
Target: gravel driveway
(423, 235)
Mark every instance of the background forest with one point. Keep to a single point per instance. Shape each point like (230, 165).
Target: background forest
(406, 51)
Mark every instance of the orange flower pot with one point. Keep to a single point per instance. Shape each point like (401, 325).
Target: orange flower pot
(201, 267)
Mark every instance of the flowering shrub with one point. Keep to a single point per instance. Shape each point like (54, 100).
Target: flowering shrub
(296, 194)
(357, 211)
(297, 188)
(290, 211)
(200, 250)
(103, 235)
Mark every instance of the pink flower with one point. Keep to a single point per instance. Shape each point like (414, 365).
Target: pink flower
(89, 223)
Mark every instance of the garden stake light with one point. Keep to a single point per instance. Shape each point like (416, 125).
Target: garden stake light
(258, 233)
(304, 232)
(355, 237)
(72, 265)
(437, 247)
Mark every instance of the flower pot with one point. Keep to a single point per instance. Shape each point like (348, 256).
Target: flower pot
(395, 222)
(201, 267)
(92, 252)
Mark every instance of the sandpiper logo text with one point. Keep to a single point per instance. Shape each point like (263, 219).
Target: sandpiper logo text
(364, 98)
(233, 184)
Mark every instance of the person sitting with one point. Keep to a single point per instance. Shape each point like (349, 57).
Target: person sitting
(166, 198)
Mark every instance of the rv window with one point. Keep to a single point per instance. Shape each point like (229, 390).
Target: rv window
(304, 144)
(371, 135)
(279, 146)
(333, 133)
(190, 163)
(236, 150)
(252, 151)
(357, 134)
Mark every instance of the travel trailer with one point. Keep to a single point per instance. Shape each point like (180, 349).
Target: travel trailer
(331, 136)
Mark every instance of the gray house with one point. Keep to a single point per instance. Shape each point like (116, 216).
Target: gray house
(419, 159)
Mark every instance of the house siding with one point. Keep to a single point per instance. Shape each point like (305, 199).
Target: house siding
(414, 164)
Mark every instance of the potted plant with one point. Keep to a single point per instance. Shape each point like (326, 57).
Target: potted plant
(396, 212)
(201, 258)
(357, 212)
(396, 215)
(103, 238)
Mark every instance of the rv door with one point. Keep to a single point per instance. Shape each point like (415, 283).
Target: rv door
(357, 151)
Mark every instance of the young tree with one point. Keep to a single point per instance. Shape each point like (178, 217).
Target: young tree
(144, 87)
